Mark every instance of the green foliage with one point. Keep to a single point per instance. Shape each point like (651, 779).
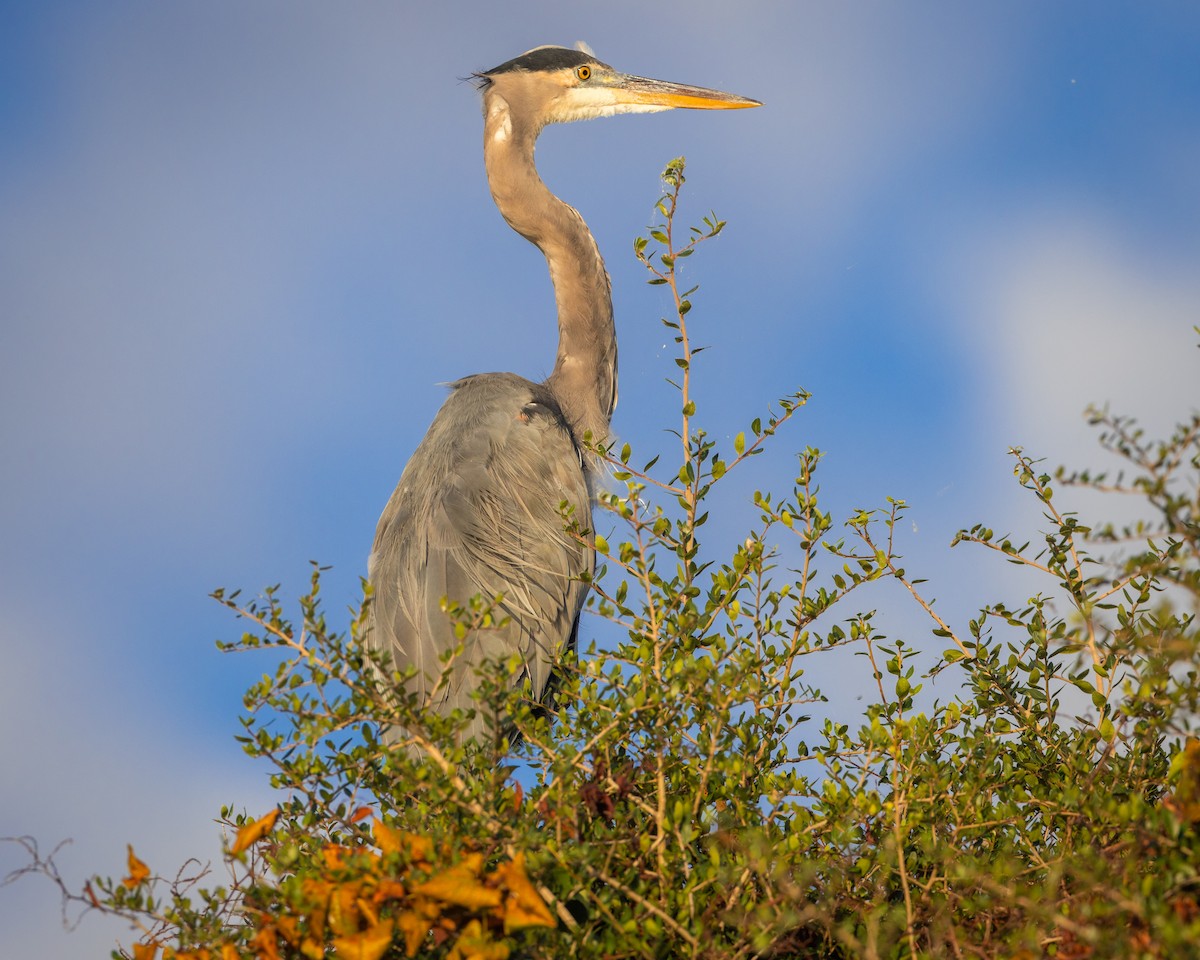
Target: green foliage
(686, 803)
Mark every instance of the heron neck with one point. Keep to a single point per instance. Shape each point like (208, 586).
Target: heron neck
(584, 378)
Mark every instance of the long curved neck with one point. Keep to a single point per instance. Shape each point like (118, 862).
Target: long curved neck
(584, 378)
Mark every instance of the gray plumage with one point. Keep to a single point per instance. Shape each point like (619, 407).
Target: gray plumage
(479, 509)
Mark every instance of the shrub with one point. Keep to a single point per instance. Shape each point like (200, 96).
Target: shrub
(683, 802)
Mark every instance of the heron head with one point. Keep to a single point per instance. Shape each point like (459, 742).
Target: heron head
(558, 85)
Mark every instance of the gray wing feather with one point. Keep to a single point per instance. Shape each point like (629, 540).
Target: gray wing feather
(477, 511)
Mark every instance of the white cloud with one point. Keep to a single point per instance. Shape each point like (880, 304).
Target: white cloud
(1069, 309)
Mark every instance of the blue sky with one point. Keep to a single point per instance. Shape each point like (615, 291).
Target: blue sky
(242, 244)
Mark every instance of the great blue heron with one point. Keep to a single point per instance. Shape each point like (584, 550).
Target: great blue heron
(478, 509)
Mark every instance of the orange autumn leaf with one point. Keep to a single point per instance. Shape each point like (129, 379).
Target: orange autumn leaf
(335, 856)
(312, 949)
(289, 927)
(472, 862)
(266, 944)
(368, 912)
(317, 893)
(431, 910)
(138, 871)
(414, 926)
(229, 952)
(253, 832)
(343, 917)
(475, 944)
(1185, 766)
(386, 839)
(420, 848)
(390, 840)
(315, 889)
(388, 890)
(360, 814)
(371, 944)
(460, 886)
(145, 951)
(523, 905)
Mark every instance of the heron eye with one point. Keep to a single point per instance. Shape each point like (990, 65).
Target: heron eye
(583, 72)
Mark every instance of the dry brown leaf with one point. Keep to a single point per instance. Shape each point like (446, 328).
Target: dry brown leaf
(138, 871)
(253, 832)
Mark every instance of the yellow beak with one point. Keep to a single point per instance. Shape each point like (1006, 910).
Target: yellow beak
(660, 93)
